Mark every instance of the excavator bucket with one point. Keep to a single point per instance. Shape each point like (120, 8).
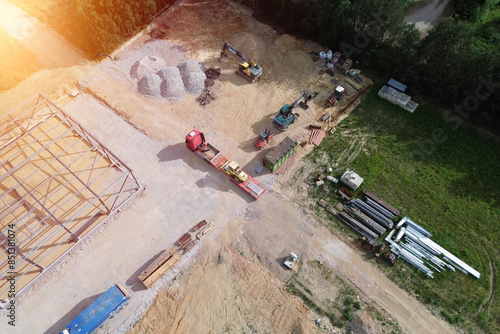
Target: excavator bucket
(223, 57)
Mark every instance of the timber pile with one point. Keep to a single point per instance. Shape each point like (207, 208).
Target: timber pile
(316, 135)
(159, 266)
(170, 257)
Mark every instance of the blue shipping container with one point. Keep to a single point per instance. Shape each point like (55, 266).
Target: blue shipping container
(98, 312)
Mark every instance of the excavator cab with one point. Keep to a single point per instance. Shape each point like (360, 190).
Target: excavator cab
(249, 70)
(233, 169)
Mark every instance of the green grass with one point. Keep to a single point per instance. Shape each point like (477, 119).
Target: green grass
(442, 176)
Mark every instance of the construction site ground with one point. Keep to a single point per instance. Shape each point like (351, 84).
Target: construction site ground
(233, 280)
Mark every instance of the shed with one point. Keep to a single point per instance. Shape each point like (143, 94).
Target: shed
(351, 179)
(397, 85)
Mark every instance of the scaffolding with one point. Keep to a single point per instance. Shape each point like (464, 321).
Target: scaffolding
(58, 183)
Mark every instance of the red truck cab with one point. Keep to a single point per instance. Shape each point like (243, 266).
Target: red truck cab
(195, 139)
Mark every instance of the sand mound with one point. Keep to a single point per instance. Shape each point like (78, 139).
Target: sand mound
(286, 43)
(194, 82)
(149, 85)
(251, 46)
(147, 65)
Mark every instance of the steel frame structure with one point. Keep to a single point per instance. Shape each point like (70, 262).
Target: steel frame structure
(58, 183)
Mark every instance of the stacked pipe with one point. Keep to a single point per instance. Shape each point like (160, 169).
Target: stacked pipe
(431, 257)
(381, 202)
(374, 214)
(357, 226)
(380, 209)
(367, 221)
(412, 259)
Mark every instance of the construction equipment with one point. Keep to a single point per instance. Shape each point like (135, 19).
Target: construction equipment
(286, 116)
(263, 139)
(195, 141)
(103, 308)
(290, 260)
(337, 95)
(249, 70)
(278, 155)
(233, 169)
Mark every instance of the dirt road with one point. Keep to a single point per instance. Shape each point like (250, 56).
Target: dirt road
(426, 13)
(53, 50)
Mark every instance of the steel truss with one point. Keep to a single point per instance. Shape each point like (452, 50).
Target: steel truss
(58, 183)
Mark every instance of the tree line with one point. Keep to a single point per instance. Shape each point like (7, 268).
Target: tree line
(457, 63)
(99, 26)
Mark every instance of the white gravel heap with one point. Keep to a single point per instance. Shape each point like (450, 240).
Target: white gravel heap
(193, 76)
(149, 85)
(172, 85)
(191, 65)
(194, 82)
(147, 65)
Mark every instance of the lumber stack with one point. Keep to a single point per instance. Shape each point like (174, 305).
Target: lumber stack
(316, 135)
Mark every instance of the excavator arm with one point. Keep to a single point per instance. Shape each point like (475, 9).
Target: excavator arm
(229, 47)
(294, 104)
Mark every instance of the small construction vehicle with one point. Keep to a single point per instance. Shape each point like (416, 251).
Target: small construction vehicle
(249, 70)
(337, 95)
(233, 169)
(263, 139)
(290, 260)
(286, 116)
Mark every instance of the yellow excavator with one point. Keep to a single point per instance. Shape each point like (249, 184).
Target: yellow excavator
(248, 69)
(233, 169)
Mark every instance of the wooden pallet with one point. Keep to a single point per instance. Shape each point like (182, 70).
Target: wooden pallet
(203, 232)
(159, 266)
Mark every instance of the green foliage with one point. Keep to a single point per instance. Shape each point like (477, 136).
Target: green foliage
(449, 186)
(96, 26)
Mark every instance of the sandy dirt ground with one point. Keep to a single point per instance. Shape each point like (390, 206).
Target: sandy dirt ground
(233, 280)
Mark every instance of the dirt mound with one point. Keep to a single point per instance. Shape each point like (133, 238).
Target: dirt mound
(286, 43)
(194, 82)
(172, 85)
(252, 46)
(147, 65)
(149, 85)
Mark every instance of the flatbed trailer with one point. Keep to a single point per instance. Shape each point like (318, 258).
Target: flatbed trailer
(195, 141)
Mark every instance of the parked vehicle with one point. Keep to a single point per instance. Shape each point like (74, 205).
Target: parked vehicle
(195, 141)
(103, 308)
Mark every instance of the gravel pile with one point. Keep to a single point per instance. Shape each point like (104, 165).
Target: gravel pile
(172, 85)
(149, 85)
(194, 82)
(191, 65)
(147, 65)
(193, 76)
